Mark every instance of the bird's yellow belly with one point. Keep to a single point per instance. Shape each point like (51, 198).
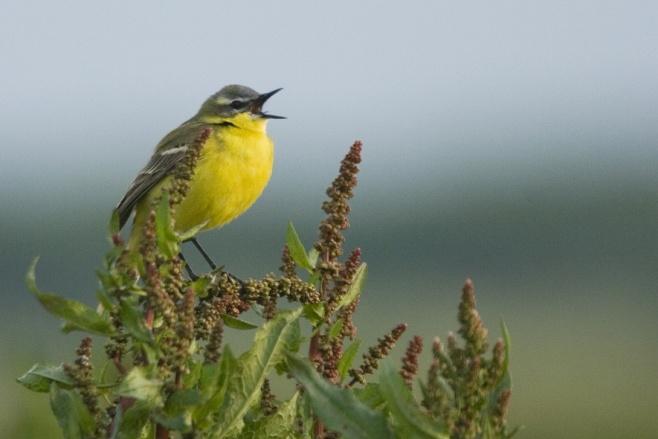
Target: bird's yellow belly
(230, 175)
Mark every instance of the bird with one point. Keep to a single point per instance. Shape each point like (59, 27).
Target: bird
(233, 169)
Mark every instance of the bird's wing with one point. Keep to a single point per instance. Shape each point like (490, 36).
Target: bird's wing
(169, 151)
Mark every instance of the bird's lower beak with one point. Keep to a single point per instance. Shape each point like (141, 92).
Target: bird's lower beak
(260, 101)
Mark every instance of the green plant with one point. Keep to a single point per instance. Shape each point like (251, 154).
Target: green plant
(168, 374)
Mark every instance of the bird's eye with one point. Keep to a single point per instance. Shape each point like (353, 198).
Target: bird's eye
(237, 104)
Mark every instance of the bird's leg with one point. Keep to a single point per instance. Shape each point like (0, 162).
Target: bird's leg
(188, 269)
(203, 253)
(211, 263)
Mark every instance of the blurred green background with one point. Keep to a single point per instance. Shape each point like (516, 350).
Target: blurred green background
(508, 142)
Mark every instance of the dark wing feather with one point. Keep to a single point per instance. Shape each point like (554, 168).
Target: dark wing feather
(169, 151)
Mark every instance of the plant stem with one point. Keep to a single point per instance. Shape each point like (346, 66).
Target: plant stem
(161, 432)
(149, 317)
(314, 353)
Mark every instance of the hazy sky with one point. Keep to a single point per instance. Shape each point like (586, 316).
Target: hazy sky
(433, 88)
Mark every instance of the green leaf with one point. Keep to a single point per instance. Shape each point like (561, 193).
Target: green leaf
(140, 384)
(371, 396)
(212, 385)
(181, 422)
(281, 425)
(72, 415)
(134, 423)
(200, 286)
(164, 231)
(39, 377)
(296, 249)
(335, 329)
(132, 319)
(191, 378)
(314, 279)
(215, 376)
(77, 314)
(191, 233)
(505, 382)
(355, 287)
(236, 323)
(104, 299)
(514, 431)
(337, 407)
(177, 413)
(68, 327)
(305, 417)
(181, 400)
(345, 362)
(314, 313)
(409, 420)
(267, 351)
(313, 255)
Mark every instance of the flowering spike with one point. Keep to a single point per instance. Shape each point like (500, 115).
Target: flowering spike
(287, 263)
(82, 376)
(376, 353)
(330, 242)
(472, 329)
(267, 399)
(410, 360)
(212, 352)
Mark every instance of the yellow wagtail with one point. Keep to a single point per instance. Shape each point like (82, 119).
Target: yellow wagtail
(233, 169)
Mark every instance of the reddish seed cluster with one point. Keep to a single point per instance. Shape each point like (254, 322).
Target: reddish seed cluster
(376, 353)
(499, 418)
(472, 328)
(410, 360)
(184, 332)
(287, 263)
(330, 243)
(345, 277)
(82, 376)
(184, 170)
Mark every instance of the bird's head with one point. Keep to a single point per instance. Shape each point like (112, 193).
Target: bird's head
(239, 105)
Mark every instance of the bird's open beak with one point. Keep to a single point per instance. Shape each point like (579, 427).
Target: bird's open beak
(258, 105)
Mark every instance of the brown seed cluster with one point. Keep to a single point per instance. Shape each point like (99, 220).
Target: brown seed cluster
(376, 353)
(226, 296)
(157, 299)
(436, 397)
(267, 399)
(335, 277)
(499, 417)
(472, 328)
(330, 243)
(82, 375)
(287, 264)
(461, 380)
(410, 360)
(184, 170)
(184, 333)
(222, 298)
(212, 351)
(294, 289)
(343, 281)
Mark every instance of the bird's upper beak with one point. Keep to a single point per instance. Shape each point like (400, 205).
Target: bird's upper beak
(260, 101)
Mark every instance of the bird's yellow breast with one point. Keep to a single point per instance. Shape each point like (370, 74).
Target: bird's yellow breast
(233, 169)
